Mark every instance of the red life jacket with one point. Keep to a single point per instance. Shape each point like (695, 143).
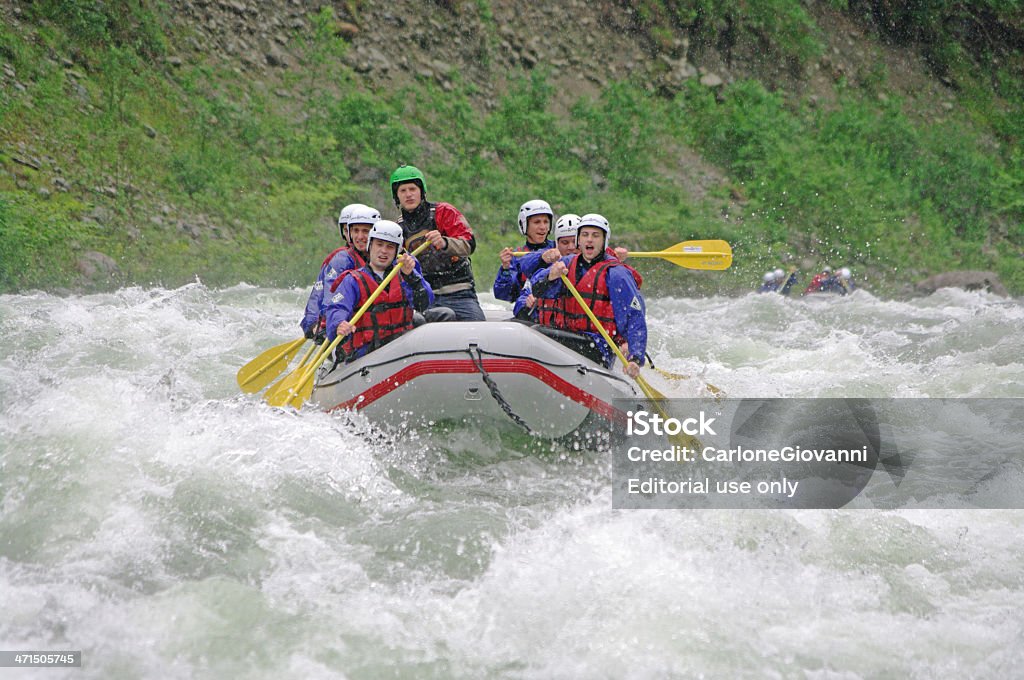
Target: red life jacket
(593, 288)
(390, 314)
(815, 285)
(550, 311)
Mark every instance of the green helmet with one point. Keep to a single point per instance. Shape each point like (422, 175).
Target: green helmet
(404, 174)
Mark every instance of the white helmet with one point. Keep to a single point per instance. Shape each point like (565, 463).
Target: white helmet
(389, 231)
(769, 277)
(844, 273)
(566, 225)
(595, 220)
(361, 214)
(826, 269)
(343, 216)
(531, 208)
(778, 274)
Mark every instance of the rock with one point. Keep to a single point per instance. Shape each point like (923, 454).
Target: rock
(43, 192)
(100, 215)
(150, 131)
(176, 62)
(276, 57)
(94, 264)
(346, 30)
(968, 280)
(61, 184)
(711, 80)
(28, 162)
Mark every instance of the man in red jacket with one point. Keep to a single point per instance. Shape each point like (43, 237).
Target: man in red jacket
(446, 266)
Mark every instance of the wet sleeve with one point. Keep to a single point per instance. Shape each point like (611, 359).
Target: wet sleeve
(630, 311)
(418, 291)
(314, 304)
(457, 233)
(341, 305)
(505, 283)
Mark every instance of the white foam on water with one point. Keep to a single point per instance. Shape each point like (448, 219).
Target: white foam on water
(168, 526)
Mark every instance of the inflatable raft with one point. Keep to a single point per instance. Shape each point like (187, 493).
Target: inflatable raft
(492, 370)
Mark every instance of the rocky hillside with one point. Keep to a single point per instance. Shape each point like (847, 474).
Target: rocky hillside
(156, 142)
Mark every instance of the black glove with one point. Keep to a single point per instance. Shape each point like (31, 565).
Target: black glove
(309, 332)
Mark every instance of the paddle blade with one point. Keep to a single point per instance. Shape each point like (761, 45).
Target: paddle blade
(681, 439)
(702, 246)
(303, 391)
(259, 372)
(708, 261)
(279, 393)
(683, 378)
(708, 254)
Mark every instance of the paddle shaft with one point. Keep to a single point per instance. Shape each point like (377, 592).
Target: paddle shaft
(675, 254)
(593, 320)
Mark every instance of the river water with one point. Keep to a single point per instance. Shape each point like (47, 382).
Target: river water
(169, 527)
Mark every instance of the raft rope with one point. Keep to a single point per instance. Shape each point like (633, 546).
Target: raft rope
(495, 392)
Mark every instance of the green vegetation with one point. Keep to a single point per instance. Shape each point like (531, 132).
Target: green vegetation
(253, 180)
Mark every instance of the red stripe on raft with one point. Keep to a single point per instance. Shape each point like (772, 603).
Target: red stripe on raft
(523, 366)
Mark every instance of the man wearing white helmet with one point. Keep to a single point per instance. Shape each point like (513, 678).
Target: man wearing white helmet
(784, 283)
(768, 284)
(845, 281)
(535, 218)
(565, 234)
(524, 307)
(354, 222)
(392, 312)
(608, 288)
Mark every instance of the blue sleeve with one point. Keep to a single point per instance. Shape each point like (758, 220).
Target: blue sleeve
(341, 305)
(630, 311)
(312, 314)
(548, 289)
(790, 282)
(338, 265)
(506, 283)
(531, 262)
(520, 303)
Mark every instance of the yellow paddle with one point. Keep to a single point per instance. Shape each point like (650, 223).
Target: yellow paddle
(284, 383)
(301, 388)
(258, 373)
(717, 391)
(712, 255)
(681, 439)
